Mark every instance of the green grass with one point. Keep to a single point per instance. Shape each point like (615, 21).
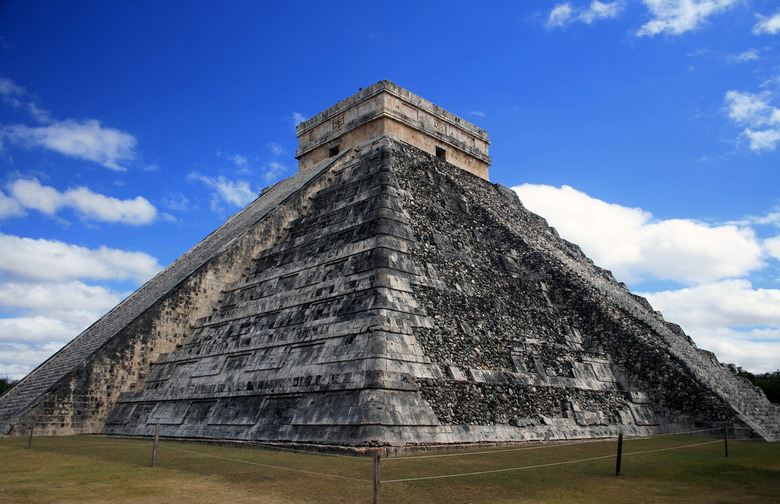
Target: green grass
(98, 469)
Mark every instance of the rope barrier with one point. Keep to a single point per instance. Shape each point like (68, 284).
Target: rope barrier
(269, 465)
(537, 466)
(498, 470)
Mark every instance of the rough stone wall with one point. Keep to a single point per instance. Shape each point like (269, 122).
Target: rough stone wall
(559, 316)
(509, 354)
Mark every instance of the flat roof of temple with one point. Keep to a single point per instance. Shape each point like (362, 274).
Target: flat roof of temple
(386, 109)
(406, 95)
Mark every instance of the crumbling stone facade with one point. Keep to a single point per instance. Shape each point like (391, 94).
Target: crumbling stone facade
(384, 297)
(417, 304)
(74, 391)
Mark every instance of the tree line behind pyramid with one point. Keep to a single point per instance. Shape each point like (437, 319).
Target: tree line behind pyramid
(388, 294)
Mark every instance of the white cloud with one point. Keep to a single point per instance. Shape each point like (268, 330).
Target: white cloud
(273, 172)
(18, 359)
(9, 89)
(749, 55)
(763, 139)
(758, 114)
(73, 295)
(771, 218)
(58, 326)
(772, 246)
(26, 330)
(755, 350)
(688, 251)
(739, 323)
(50, 260)
(48, 316)
(277, 149)
(561, 15)
(750, 108)
(477, 113)
(82, 140)
(298, 118)
(18, 97)
(599, 10)
(235, 192)
(732, 303)
(176, 200)
(10, 207)
(31, 194)
(103, 208)
(635, 246)
(268, 168)
(675, 17)
(44, 302)
(770, 25)
(727, 315)
(564, 14)
(240, 162)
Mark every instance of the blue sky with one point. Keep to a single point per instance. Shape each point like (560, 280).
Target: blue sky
(647, 131)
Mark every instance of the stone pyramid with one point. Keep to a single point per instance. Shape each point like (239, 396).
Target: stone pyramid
(387, 294)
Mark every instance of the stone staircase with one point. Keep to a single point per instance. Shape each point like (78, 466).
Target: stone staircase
(31, 389)
(762, 416)
(747, 401)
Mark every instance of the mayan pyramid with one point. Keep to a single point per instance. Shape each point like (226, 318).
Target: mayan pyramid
(387, 294)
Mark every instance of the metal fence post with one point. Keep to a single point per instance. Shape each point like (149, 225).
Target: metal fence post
(619, 454)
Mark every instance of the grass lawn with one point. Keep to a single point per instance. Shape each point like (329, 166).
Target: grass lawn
(98, 469)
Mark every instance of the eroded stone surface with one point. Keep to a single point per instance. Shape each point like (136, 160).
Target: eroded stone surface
(74, 390)
(393, 299)
(432, 314)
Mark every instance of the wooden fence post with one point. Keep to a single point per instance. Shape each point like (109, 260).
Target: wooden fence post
(377, 480)
(156, 441)
(29, 439)
(726, 439)
(619, 454)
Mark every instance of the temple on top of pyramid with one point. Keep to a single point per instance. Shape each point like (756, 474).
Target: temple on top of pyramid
(387, 109)
(386, 295)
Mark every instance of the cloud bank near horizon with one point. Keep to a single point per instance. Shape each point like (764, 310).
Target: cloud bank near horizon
(715, 302)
